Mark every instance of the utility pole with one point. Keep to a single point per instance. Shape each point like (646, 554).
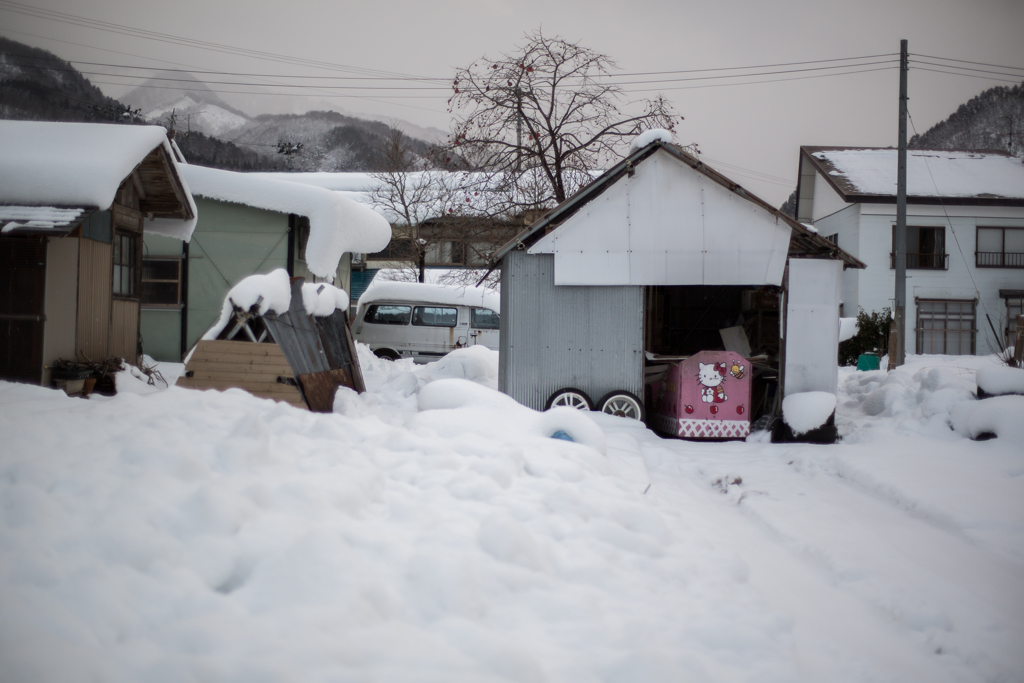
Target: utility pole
(898, 355)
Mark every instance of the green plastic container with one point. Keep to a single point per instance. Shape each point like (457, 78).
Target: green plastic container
(867, 361)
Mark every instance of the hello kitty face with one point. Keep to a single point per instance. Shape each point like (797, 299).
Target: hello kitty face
(711, 374)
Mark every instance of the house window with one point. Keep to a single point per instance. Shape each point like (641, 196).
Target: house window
(945, 327)
(126, 264)
(833, 238)
(926, 248)
(1014, 307)
(1000, 248)
(161, 282)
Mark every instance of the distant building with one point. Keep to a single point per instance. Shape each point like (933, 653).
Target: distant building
(965, 238)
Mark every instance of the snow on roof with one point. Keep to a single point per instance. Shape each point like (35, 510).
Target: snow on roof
(435, 294)
(649, 136)
(337, 224)
(78, 164)
(16, 218)
(930, 173)
(272, 292)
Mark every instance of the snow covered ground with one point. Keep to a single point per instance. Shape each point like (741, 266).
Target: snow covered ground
(430, 530)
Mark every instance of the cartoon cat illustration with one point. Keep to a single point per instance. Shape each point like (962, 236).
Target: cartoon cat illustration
(710, 377)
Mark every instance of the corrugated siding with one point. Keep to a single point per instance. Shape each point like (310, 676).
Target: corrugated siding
(61, 299)
(588, 338)
(124, 329)
(95, 272)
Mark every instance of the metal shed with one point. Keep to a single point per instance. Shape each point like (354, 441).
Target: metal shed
(647, 263)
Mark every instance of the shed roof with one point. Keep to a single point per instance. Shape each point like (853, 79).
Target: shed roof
(337, 224)
(803, 242)
(965, 177)
(64, 165)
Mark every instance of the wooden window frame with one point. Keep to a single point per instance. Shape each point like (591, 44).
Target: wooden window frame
(133, 263)
(155, 305)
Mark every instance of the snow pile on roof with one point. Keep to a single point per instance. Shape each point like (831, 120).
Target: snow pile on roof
(381, 290)
(337, 224)
(930, 173)
(37, 217)
(1001, 379)
(78, 164)
(321, 299)
(272, 293)
(649, 136)
(807, 410)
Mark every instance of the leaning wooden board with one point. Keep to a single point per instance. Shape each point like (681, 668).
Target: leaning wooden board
(255, 368)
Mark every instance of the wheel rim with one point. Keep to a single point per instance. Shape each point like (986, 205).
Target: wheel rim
(571, 399)
(622, 406)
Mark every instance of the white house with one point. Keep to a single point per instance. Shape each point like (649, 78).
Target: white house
(965, 238)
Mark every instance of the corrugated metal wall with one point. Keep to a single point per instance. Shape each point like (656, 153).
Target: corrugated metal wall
(61, 300)
(588, 338)
(124, 329)
(95, 284)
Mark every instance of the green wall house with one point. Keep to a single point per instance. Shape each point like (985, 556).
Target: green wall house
(248, 224)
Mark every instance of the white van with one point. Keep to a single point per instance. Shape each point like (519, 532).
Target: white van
(424, 321)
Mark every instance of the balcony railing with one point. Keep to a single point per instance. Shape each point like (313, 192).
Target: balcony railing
(923, 261)
(998, 259)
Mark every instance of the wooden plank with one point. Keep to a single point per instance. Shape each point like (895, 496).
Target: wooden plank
(320, 387)
(263, 389)
(241, 348)
(236, 362)
(256, 374)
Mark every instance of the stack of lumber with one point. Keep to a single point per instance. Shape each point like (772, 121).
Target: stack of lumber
(256, 368)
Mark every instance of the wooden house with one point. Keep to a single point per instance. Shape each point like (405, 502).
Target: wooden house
(75, 201)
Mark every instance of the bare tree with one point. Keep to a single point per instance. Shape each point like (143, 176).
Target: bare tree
(436, 215)
(546, 117)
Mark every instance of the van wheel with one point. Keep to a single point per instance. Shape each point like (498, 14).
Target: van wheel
(386, 354)
(572, 398)
(622, 404)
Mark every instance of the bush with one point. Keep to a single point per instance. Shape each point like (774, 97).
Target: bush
(872, 336)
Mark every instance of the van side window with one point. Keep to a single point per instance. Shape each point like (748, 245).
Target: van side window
(485, 319)
(435, 316)
(387, 314)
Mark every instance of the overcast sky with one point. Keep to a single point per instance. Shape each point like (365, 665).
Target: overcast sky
(752, 130)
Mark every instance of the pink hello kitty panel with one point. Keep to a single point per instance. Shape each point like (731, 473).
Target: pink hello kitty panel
(706, 396)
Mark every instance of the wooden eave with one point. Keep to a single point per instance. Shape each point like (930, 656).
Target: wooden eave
(162, 192)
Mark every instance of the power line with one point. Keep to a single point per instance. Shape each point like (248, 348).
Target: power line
(967, 68)
(772, 80)
(964, 61)
(957, 73)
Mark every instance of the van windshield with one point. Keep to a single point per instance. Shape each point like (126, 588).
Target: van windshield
(435, 316)
(387, 314)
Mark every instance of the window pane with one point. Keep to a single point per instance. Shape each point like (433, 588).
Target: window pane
(160, 269)
(160, 293)
(485, 319)
(990, 239)
(384, 314)
(435, 316)
(1014, 241)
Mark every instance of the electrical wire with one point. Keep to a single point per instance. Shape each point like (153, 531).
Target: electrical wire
(964, 61)
(955, 73)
